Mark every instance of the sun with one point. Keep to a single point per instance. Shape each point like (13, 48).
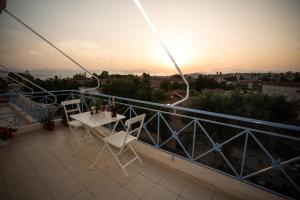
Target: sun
(180, 52)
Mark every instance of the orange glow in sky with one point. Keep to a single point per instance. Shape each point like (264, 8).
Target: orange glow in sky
(203, 35)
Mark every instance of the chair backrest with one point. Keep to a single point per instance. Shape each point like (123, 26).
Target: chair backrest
(138, 119)
(73, 102)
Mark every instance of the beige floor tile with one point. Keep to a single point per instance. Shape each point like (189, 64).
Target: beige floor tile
(15, 166)
(174, 182)
(195, 190)
(155, 172)
(104, 187)
(138, 167)
(66, 190)
(90, 152)
(56, 178)
(221, 195)
(20, 179)
(122, 194)
(139, 185)
(108, 167)
(160, 193)
(119, 175)
(41, 160)
(3, 190)
(27, 191)
(78, 165)
(43, 196)
(86, 176)
(47, 168)
(38, 153)
(83, 195)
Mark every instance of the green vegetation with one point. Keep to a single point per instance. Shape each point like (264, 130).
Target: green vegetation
(207, 82)
(168, 85)
(237, 101)
(134, 87)
(58, 84)
(253, 105)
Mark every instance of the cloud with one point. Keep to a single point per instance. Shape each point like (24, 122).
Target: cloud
(83, 48)
(32, 52)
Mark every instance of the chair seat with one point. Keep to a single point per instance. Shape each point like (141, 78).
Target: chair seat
(75, 123)
(117, 139)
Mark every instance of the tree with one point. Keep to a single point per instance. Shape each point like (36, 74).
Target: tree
(204, 82)
(166, 85)
(252, 105)
(177, 85)
(95, 75)
(134, 87)
(79, 76)
(176, 76)
(104, 75)
(146, 92)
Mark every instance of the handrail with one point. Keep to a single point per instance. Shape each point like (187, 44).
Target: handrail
(31, 108)
(213, 114)
(23, 78)
(56, 48)
(178, 108)
(22, 85)
(145, 15)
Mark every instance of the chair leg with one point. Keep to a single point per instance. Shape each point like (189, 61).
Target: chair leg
(117, 159)
(76, 139)
(136, 155)
(77, 149)
(98, 157)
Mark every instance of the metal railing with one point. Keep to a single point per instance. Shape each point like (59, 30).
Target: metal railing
(53, 99)
(8, 115)
(30, 108)
(261, 153)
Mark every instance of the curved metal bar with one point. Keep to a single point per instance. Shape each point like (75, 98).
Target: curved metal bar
(55, 47)
(32, 91)
(143, 12)
(23, 78)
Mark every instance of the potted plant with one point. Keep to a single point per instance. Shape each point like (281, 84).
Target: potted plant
(64, 119)
(48, 123)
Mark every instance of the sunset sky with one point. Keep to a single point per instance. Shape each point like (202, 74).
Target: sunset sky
(203, 35)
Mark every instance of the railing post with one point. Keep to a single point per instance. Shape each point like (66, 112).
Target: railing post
(158, 128)
(194, 138)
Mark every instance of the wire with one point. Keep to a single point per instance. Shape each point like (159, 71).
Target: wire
(55, 47)
(143, 12)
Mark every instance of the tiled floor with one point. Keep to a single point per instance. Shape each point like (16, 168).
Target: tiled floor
(40, 165)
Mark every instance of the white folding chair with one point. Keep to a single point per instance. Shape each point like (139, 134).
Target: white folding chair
(74, 125)
(123, 141)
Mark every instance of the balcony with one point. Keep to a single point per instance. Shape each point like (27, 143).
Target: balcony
(187, 154)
